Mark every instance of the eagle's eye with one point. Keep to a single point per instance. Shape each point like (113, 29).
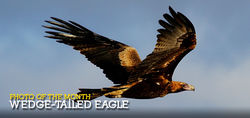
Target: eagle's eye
(184, 85)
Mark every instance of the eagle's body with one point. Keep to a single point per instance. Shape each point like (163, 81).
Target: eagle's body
(149, 78)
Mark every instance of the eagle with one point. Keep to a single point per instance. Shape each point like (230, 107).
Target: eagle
(132, 77)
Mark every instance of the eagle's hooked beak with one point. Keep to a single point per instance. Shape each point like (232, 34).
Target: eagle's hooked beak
(189, 88)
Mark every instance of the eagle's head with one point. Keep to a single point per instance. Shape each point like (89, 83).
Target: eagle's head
(180, 86)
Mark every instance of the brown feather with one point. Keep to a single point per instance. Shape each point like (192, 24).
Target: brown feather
(173, 43)
(115, 58)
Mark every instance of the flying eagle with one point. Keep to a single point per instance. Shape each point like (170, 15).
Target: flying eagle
(133, 78)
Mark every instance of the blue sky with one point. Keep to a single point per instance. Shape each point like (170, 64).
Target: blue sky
(218, 67)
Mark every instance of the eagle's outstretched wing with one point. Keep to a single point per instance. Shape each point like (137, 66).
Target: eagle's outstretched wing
(115, 58)
(176, 39)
